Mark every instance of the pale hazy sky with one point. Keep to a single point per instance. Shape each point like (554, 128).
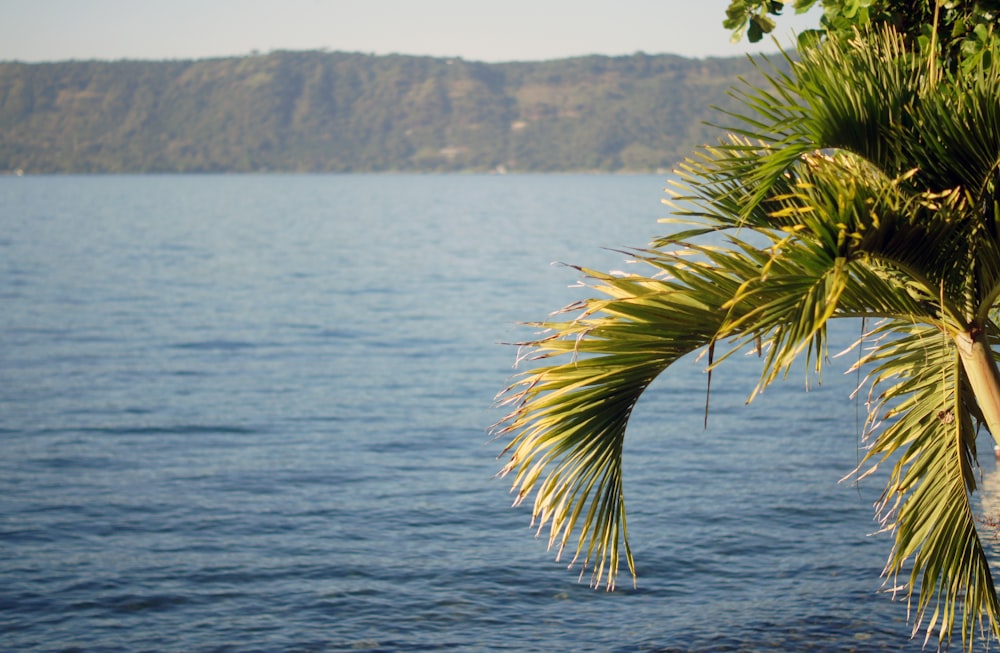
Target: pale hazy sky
(478, 30)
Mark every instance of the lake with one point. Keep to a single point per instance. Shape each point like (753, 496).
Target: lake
(250, 413)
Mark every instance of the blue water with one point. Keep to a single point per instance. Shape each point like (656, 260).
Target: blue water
(248, 413)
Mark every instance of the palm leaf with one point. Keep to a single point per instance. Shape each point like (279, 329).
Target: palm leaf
(570, 416)
(926, 502)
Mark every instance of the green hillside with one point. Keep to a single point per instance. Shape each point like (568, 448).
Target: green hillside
(340, 112)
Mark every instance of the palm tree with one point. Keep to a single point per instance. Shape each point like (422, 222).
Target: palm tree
(864, 183)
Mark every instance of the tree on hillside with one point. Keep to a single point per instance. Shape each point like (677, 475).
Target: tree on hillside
(866, 185)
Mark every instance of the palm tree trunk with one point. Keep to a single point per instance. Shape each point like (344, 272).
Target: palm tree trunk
(980, 367)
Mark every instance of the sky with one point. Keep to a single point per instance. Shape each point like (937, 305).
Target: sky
(475, 30)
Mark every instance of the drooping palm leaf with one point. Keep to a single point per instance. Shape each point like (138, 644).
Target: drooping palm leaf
(569, 416)
(926, 501)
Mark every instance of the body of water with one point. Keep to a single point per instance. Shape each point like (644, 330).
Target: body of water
(249, 413)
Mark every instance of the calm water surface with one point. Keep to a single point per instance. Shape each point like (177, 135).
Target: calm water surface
(248, 413)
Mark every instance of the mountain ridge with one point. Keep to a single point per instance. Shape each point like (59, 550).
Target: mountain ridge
(318, 111)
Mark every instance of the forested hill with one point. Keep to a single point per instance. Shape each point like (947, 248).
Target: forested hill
(340, 112)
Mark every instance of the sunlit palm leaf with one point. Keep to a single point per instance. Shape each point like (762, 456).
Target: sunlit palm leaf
(570, 416)
(926, 502)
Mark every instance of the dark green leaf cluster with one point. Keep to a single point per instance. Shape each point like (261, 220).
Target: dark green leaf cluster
(959, 29)
(341, 112)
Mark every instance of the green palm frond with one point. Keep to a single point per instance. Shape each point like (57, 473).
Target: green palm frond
(857, 185)
(931, 438)
(570, 415)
